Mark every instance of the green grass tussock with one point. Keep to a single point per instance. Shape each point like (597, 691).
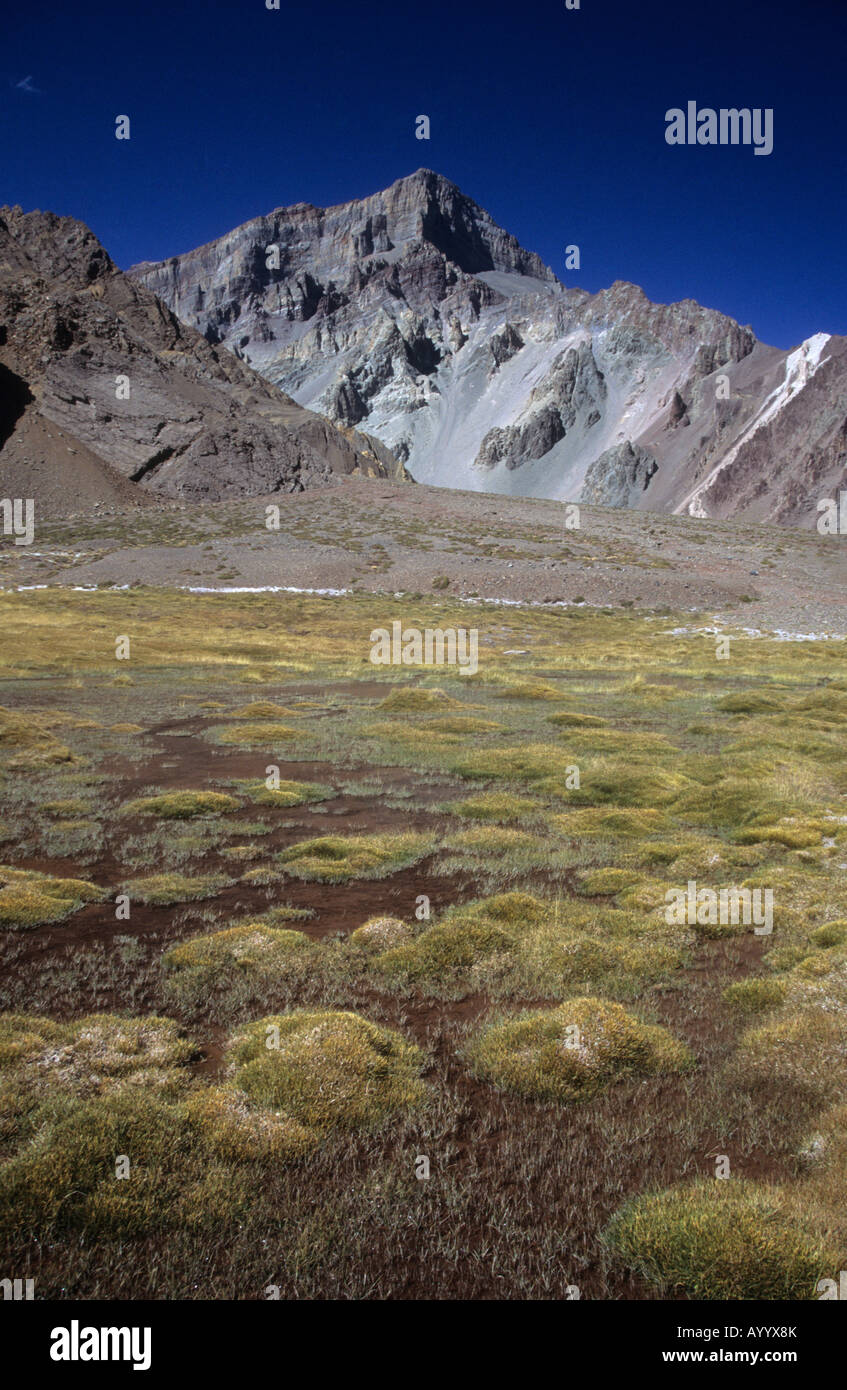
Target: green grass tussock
(381, 934)
(573, 1052)
(340, 858)
(419, 700)
(330, 1071)
(729, 1239)
(29, 899)
(163, 890)
(181, 805)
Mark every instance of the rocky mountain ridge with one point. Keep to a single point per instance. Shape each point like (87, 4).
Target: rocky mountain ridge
(107, 395)
(413, 315)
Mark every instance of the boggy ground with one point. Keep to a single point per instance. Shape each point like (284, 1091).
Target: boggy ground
(542, 895)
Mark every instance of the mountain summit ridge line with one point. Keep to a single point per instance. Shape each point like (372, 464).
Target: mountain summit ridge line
(413, 315)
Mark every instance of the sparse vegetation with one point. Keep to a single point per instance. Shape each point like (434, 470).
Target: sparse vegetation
(427, 863)
(180, 805)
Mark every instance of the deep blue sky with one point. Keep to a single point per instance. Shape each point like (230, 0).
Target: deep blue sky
(552, 119)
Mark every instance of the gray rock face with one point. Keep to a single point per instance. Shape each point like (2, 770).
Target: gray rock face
(412, 315)
(619, 476)
(197, 423)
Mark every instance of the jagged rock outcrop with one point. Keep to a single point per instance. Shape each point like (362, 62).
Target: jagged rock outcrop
(103, 387)
(413, 315)
(619, 476)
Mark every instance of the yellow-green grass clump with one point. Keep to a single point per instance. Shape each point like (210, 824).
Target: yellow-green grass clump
(528, 690)
(588, 960)
(63, 1181)
(182, 805)
(515, 910)
(716, 911)
(68, 808)
(340, 858)
(756, 996)
(447, 957)
(510, 847)
(573, 1052)
(751, 702)
(418, 737)
(258, 733)
(794, 832)
(419, 700)
(729, 1239)
(827, 704)
(162, 890)
(478, 936)
(261, 709)
(330, 1071)
(626, 782)
(262, 875)
(572, 719)
(515, 945)
(607, 881)
(77, 1097)
(237, 961)
(284, 793)
(735, 803)
(29, 899)
(651, 692)
(827, 967)
(829, 935)
(613, 822)
(89, 1056)
(242, 853)
(704, 857)
(500, 807)
(381, 934)
(800, 1052)
(636, 744)
(531, 762)
(783, 958)
(651, 853)
(27, 744)
(252, 947)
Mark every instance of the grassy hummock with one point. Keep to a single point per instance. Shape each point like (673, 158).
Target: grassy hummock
(339, 858)
(331, 1071)
(29, 899)
(181, 805)
(162, 890)
(729, 1239)
(381, 934)
(107, 1136)
(573, 1052)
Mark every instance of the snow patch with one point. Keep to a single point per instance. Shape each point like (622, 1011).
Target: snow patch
(800, 367)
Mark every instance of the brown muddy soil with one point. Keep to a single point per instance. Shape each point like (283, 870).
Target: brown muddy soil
(189, 761)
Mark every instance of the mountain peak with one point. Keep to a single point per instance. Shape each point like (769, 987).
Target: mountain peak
(411, 313)
(429, 179)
